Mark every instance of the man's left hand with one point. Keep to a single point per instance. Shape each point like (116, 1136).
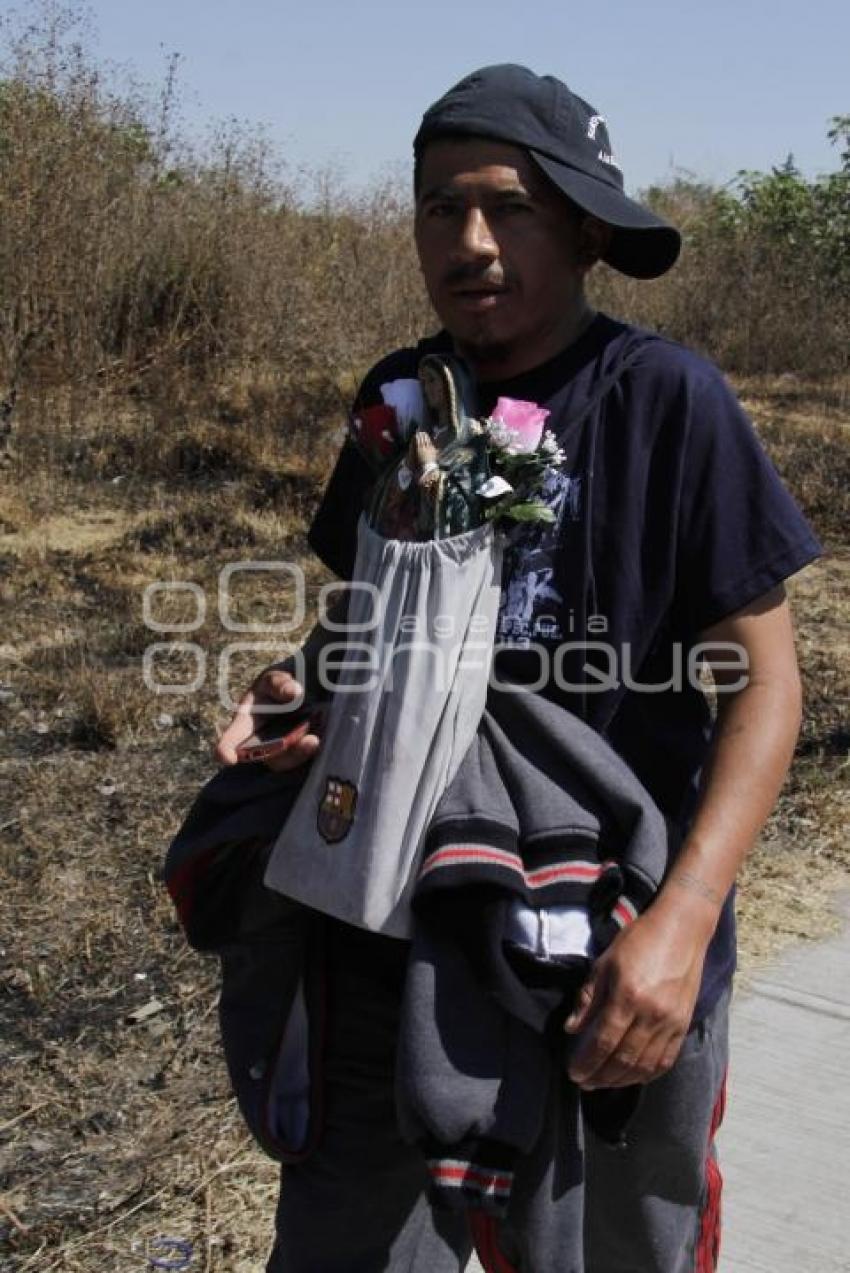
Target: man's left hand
(635, 1008)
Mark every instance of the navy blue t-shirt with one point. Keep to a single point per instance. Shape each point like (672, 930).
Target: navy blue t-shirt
(668, 517)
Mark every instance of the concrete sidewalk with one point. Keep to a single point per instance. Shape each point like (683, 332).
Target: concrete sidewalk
(785, 1144)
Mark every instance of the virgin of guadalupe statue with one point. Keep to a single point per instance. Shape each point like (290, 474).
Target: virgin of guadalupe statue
(430, 491)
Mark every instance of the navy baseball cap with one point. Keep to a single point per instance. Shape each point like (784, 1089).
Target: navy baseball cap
(568, 140)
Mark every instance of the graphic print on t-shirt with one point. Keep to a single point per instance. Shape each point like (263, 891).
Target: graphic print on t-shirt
(531, 606)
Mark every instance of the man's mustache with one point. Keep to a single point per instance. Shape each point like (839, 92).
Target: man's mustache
(471, 274)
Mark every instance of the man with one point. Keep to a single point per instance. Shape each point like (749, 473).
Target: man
(672, 530)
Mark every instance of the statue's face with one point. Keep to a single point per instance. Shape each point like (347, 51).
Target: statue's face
(433, 389)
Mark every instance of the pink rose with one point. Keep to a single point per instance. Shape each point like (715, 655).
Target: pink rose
(525, 420)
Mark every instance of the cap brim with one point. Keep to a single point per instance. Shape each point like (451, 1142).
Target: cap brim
(643, 245)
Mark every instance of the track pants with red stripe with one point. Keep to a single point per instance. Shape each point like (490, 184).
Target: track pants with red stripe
(358, 1204)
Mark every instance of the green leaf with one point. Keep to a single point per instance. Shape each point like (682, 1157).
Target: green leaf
(530, 513)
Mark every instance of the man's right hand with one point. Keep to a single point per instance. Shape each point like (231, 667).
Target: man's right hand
(271, 686)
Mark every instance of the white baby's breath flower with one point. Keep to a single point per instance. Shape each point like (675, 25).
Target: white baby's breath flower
(500, 435)
(493, 487)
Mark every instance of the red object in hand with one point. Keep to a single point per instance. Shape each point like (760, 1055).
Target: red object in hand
(375, 430)
(273, 746)
(308, 719)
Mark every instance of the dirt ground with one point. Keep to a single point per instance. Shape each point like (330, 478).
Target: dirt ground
(118, 1132)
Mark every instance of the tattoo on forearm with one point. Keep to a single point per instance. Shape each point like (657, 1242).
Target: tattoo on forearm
(686, 879)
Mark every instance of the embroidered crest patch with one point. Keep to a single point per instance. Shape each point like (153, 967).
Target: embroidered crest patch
(336, 810)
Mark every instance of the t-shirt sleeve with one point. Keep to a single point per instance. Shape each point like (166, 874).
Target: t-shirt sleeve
(740, 533)
(333, 531)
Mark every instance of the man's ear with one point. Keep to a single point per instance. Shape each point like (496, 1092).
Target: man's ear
(594, 240)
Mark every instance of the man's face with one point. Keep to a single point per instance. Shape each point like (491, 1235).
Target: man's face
(499, 252)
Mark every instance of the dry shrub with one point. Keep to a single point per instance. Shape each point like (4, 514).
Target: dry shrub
(738, 304)
(125, 255)
(215, 290)
(104, 710)
(762, 284)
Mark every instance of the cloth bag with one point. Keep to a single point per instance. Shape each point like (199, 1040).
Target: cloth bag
(405, 709)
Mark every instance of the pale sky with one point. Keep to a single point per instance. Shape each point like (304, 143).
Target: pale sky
(707, 87)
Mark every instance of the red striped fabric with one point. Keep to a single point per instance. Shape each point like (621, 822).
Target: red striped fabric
(457, 855)
(569, 871)
(461, 1173)
(708, 1242)
(624, 912)
(485, 1235)
(472, 853)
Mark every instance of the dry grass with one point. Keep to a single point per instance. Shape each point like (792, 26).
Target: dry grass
(134, 258)
(124, 1131)
(115, 1133)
